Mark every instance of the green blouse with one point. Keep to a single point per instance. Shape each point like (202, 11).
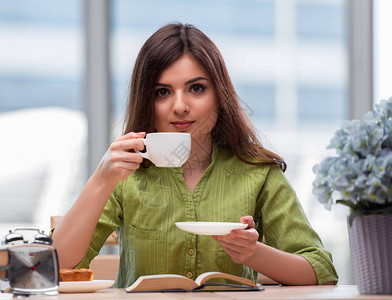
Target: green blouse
(144, 207)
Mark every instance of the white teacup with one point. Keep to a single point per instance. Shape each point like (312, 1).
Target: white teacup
(167, 149)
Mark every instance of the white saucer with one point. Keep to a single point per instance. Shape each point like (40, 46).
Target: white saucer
(84, 286)
(210, 228)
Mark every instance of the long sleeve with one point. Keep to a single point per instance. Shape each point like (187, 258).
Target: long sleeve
(286, 227)
(110, 220)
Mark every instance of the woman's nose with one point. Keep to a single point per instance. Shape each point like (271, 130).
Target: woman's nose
(180, 104)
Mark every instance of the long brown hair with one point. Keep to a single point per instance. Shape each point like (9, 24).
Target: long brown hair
(233, 128)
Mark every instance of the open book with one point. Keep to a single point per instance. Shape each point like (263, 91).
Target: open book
(178, 283)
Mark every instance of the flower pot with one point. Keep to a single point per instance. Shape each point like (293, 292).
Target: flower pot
(371, 251)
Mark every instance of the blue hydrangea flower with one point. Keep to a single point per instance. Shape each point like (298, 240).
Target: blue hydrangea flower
(361, 172)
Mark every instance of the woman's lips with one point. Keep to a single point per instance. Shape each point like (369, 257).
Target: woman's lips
(182, 124)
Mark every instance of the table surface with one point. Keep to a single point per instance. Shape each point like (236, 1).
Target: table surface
(270, 292)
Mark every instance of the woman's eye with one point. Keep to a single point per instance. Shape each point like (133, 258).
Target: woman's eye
(162, 92)
(197, 88)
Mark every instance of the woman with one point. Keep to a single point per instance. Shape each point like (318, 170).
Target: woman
(180, 84)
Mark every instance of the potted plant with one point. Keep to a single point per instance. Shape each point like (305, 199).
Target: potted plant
(360, 177)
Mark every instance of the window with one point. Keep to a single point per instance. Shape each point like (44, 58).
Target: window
(321, 104)
(320, 21)
(382, 49)
(43, 126)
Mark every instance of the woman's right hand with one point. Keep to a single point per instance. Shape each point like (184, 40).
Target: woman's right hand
(118, 163)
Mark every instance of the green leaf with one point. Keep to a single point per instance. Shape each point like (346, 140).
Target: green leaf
(346, 203)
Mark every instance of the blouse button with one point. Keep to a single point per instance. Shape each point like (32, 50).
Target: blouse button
(189, 274)
(191, 251)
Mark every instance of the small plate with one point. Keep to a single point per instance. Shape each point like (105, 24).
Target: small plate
(210, 228)
(84, 286)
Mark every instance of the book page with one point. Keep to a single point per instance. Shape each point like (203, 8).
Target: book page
(203, 278)
(161, 282)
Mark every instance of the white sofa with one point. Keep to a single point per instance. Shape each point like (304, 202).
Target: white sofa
(42, 165)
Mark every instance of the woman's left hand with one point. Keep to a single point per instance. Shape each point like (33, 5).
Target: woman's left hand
(240, 244)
